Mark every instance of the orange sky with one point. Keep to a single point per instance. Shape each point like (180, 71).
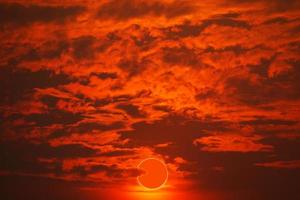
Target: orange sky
(89, 89)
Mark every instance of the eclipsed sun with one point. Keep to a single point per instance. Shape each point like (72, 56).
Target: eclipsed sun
(155, 176)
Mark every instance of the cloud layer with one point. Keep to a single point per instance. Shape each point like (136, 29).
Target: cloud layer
(89, 89)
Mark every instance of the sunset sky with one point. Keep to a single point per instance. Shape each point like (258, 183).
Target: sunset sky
(89, 89)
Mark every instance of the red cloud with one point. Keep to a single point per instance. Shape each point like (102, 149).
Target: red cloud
(232, 143)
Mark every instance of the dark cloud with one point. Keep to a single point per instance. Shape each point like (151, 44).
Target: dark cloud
(114, 99)
(33, 187)
(50, 101)
(172, 128)
(206, 93)
(262, 67)
(295, 30)
(267, 89)
(228, 15)
(284, 86)
(144, 39)
(54, 117)
(19, 14)
(294, 46)
(180, 132)
(252, 183)
(83, 47)
(109, 170)
(279, 20)
(23, 163)
(48, 50)
(284, 149)
(16, 53)
(238, 177)
(188, 29)
(105, 75)
(53, 49)
(183, 30)
(285, 5)
(262, 121)
(181, 56)
(117, 153)
(85, 80)
(270, 5)
(128, 9)
(16, 83)
(244, 114)
(86, 127)
(22, 149)
(131, 110)
(280, 164)
(133, 66)
(23, 157)
(229, 22)
(249, 93)
(166, 109)
(90, 126)
(32, 121)
(237, 49)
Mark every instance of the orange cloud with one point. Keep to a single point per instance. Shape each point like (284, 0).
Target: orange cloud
(232, 143)
(291, 164)
(90, 88)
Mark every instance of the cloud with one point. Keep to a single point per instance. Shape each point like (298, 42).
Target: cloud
(189, 29)
(27, 187)
(52, 49)
(20, 15)
(272, 5)
(229, 22)
(109, 170)
(265, 89)
(133, 66)
(86, 127)
(284, 149)
(24, 157)
(44, 159)
(89, 90)
(232, 143)
(290, 164)
(54, 117)
(129, 9)
(181, 56)
(131, 110)
(171, 128)
(83, 47)
(43, 150)
(262, 121)
(206, 93)
(90, 126)
(105, 75)
(16, 83)
(279, 20)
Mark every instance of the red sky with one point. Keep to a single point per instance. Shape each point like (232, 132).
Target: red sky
(91, 88)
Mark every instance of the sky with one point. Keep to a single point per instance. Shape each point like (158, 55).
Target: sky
(89, 89)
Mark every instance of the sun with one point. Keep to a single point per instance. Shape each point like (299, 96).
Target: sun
(155, 176)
